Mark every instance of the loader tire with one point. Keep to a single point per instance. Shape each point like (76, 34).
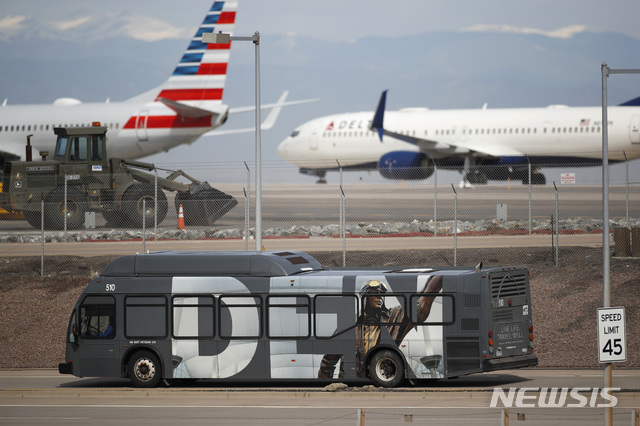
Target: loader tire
(54, 209)
(138, 204)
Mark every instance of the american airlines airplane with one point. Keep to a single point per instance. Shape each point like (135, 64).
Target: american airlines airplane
(187, 106)
(405, 144)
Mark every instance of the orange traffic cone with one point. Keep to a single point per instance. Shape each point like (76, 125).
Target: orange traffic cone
(180, 218)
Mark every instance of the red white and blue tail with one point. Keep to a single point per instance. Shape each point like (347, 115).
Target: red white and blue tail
(198, 80)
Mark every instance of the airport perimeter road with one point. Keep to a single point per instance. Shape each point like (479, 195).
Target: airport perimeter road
(288, 205)
(43, 396)
(90, 249)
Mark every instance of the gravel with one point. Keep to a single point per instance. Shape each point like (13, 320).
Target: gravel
(34, 311)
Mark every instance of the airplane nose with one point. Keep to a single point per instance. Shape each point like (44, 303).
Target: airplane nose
(282, 148)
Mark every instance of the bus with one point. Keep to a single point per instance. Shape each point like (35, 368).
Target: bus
(280, 315)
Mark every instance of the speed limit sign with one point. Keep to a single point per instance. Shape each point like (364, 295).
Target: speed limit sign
(612, 346)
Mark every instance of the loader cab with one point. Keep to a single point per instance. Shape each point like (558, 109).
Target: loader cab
(81, 145)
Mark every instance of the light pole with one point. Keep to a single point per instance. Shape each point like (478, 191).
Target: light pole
(221, 38)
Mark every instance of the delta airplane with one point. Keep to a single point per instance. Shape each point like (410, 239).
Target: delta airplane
(187, 106)
(405, 144)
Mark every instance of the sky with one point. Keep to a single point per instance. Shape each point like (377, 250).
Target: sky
(332, 21)
(342, 20)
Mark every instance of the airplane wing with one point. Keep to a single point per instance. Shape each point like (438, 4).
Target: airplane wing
(267, 123)
(436, 149)
(280, 103)
(186, 110)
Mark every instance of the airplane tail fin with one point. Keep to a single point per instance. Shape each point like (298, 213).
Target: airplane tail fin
(199, 78)
(378, 117)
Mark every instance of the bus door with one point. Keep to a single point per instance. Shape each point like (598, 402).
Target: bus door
(96, 338)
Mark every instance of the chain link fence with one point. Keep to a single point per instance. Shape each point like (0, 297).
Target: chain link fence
(359, 211)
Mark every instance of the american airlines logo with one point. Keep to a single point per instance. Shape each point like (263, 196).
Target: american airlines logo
(554, 397)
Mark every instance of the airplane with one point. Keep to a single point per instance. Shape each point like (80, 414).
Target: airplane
(483, 144)
(186, 106)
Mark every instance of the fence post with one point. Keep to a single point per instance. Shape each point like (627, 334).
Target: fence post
(360, 417)
(626, 184)
(66, 180)
(504, 417)
(155, 211)
(557, 224)
(246, 220)
(42, 235)
(247, 212)
(455, 227)
(144, 225)
(343, 219)
(529, 195)
(435, 199)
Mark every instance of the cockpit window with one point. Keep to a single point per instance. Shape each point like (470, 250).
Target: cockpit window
(295, 133)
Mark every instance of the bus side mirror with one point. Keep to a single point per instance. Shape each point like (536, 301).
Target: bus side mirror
(74, 335)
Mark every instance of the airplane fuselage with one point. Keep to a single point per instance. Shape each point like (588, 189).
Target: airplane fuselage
(556, 133)
(135, 129)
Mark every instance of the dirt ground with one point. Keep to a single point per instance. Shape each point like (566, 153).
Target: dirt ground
(34, 311)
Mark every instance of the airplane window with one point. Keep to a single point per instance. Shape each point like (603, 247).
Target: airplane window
(295, 133)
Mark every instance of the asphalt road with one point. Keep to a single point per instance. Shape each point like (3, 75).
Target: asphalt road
(44, 396)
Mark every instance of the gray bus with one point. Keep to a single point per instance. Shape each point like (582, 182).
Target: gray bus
(282, 316)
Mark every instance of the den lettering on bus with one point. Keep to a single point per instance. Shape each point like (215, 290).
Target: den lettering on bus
(577, 397)
(384, 318)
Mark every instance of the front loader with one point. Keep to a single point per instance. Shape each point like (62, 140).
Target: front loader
(82, 178)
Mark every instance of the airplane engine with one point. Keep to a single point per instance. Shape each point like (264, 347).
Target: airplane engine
(405, 165)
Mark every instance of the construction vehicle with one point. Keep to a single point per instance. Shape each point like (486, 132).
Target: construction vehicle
(81, 178)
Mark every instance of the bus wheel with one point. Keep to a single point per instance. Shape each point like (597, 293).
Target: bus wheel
(144, 370)
(386, 369)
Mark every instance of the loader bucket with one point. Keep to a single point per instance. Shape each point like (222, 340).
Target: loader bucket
(203, 205)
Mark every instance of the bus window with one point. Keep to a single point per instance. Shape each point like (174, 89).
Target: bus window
(97, 317)
(442, 309)
(387, 308)
(240, 317)
(193, 317)
(334, 314)
(289, 316)
(145, 316)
